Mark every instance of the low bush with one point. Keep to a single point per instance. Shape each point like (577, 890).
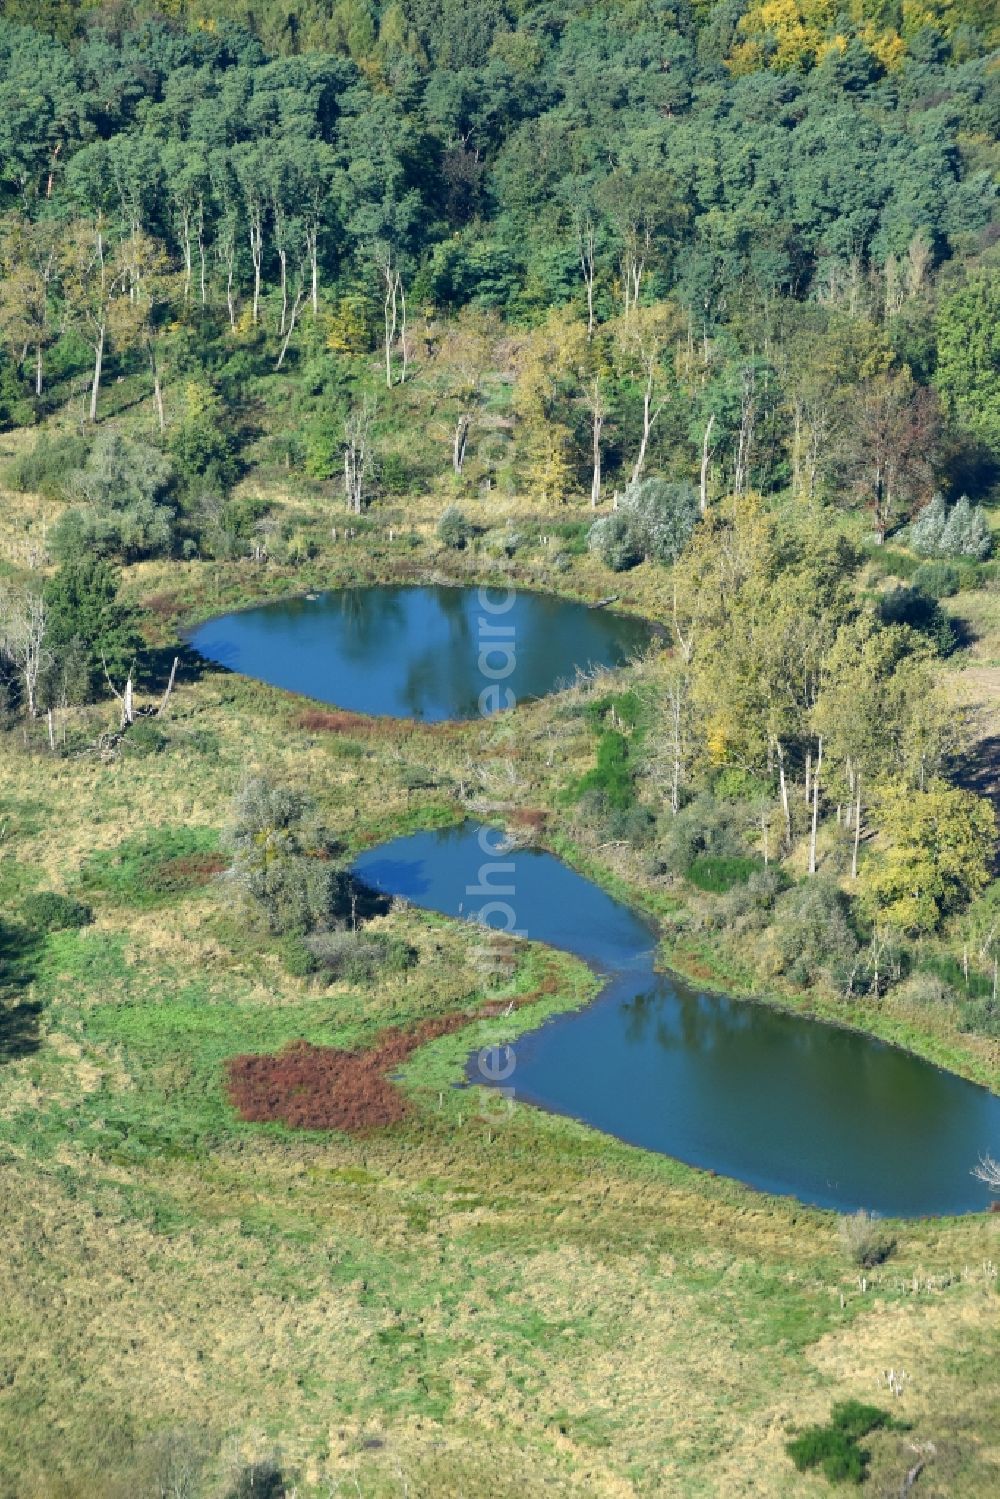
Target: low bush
(924, 989)
(654, 521)
(835, 1448)
(938, 580)
(46, 911)
(635, 825)
(125, 511)
(981, 1015)
(357, 957)
(625, 709)
(961, 531)
(864, 1239)
(453, 529)
(733, 784)
(812, 934)
(143, 739)
(911, 606)
(48, 467)
(748, 907)
(885, 562)
(951, 973)
(262, 1479)
(282, 858)
(710, 827)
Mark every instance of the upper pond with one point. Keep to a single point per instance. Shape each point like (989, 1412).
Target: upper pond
(784, 1103)
(421, 652)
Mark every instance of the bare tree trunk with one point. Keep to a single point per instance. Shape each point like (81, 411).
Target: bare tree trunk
(356, 436)
(186, 233)
(52, 737)
(744, 449)
(595, 481)
(38, 370)
(201, 250)
(587, 264)
(703, 495)
(312, 250)
(283, 262)
(461, 438)
(98, 366)
(676, 697)
(404, 347)
(649, 416)
(815, 808)
(797, 449)
(857, 827)
(783, 784)
(256, 252)
(164, 700)
(390, 310)
(291, 327)
(157, 389)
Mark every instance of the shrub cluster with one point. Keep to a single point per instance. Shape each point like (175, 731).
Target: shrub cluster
(47, 911)
(453, 529)
(959, 532)
(812, 933)
(353, 956)
(654, 521)
(910, 605)
(835, 1448)
(864, 1239)
(281, 858)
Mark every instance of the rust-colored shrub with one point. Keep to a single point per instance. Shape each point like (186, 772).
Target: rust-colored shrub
(529, 817)
(191, 869)
(163, 605)
(337, 721)
(322, 1087)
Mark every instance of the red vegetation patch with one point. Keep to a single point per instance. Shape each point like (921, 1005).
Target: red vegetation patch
(190, 869)
(529, 817)
(321, 1087)
(319, 721)
(163, 605)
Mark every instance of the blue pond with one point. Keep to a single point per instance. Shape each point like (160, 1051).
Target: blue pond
(419, 652)
(786, 1104)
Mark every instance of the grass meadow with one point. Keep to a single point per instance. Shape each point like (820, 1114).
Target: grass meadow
(449, 1306)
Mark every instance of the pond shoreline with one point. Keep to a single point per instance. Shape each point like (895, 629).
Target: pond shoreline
(804, 1126)
(949, 1053)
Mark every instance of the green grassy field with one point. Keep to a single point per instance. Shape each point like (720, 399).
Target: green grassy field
(448, 1307)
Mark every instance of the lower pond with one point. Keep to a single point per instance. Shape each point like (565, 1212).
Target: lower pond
(781, 1102)
(428, 653)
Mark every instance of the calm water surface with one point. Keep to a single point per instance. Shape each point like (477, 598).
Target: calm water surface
(416, 652)
(786, 1104)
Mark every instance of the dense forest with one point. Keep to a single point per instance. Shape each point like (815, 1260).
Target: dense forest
(732, 269)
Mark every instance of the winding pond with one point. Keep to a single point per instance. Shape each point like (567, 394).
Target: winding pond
(781, 1102)
(419, 652)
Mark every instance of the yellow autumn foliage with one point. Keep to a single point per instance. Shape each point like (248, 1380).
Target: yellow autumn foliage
(787, 34)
